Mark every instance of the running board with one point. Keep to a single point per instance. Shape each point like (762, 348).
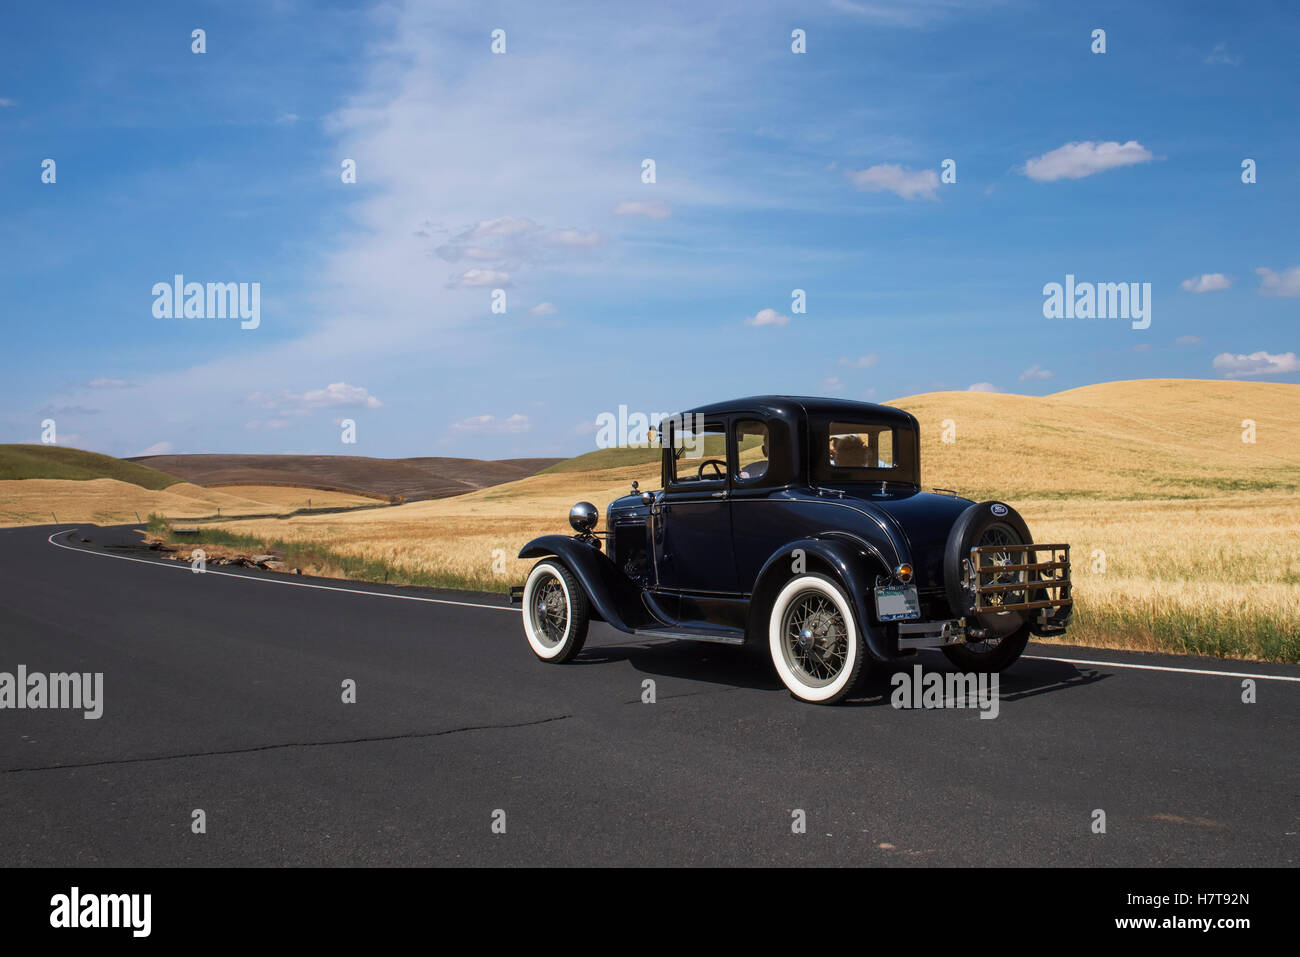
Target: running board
(690, 635)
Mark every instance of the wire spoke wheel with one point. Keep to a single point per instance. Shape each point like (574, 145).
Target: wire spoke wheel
(556, 612)
(550, 611)
(816, 641)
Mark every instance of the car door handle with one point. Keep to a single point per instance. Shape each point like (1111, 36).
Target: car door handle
(718, 495)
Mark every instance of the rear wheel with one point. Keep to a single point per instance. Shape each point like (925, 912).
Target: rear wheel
(814, 642)
(556, 612)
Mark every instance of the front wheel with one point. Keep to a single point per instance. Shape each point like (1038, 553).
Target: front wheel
(814, 641)
(556, 612)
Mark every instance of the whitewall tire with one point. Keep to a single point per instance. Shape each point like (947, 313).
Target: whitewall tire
(814, 640)
(556, 612)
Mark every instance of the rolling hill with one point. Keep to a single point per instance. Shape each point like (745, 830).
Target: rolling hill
(55, 462)
(414, 479)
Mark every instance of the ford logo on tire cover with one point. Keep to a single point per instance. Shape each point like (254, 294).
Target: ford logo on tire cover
(998, 509)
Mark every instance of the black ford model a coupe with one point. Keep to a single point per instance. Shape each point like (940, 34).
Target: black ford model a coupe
(799, 525)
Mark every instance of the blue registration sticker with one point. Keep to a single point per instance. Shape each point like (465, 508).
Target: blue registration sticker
(897, 602)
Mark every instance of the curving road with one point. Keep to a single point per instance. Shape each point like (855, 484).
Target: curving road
(222, 692)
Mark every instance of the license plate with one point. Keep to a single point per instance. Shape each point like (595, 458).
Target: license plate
(896, 602)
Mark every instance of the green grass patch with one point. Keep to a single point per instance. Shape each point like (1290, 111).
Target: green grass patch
(54, 462)
(605, 459)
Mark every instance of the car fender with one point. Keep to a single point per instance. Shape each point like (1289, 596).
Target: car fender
(854, 563)
(614, 597)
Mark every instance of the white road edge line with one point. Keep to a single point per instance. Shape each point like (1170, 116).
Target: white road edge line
(470, 604)
(1186, 671)
(272, 581)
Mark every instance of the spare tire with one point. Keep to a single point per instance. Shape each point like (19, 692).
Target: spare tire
(1006, 632)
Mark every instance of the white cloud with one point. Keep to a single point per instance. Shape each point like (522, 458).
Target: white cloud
(908, 184)
(491, 425)
(336, 395)
(501, 227)
(1257, 363)
(1284, 283)
(767, 317)
(983, 387)
(861, 362)
(650, 209)
(108, 384)
(158, 448)
(574, 238)
(508, 243)
(477, 278)
(7, 102)
(1077, 160)
(1207, 282)
(544, 309)
(1220, 55)
(286, 119)
(1035, 373)
(1188, 340)
(832, 384)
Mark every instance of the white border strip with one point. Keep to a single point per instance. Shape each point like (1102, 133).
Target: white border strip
(1185, 671)
(272, 581)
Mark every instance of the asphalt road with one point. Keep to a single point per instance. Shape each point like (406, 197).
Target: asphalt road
(223, 692)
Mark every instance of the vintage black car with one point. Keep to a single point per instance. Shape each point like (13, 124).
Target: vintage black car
(799, 525)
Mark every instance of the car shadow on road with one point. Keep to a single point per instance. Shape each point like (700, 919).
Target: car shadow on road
(735, 667)
(1024, 679)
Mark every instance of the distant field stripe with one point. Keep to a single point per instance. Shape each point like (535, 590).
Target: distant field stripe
(272, 581)
(1186, 671)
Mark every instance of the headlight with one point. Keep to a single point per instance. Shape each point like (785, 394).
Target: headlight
(583, 517)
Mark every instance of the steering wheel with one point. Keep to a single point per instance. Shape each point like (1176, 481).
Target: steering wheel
(719, 466)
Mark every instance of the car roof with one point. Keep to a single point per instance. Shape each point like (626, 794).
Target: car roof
(787, 406)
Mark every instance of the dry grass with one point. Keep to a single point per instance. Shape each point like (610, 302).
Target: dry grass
(1216, 576)
(457, 540)
(288, 497)
(1163, 439)
(110, 502)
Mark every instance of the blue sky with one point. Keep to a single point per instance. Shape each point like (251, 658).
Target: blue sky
(775, 171)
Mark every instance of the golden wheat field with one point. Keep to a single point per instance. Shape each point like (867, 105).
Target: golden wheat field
(108, 501)
(1184, 536)
(289, 497)
(111, 502)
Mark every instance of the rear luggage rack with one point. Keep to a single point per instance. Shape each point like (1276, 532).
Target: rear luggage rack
(1013, 584)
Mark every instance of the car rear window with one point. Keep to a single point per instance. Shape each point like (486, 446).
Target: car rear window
(855, 445)
(846, 451)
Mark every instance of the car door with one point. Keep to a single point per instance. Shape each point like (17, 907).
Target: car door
(694, 552)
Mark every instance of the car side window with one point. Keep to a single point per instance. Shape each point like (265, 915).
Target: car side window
(699, 453)
(752, 450)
